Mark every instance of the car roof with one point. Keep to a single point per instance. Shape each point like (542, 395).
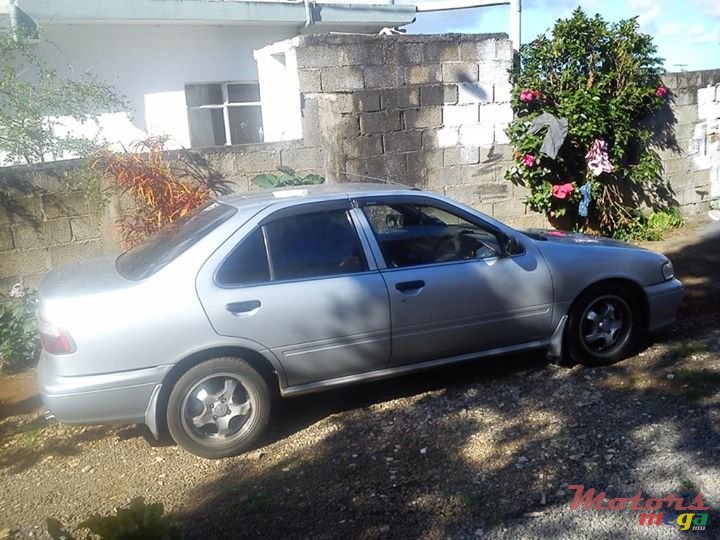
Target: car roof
(311, 193)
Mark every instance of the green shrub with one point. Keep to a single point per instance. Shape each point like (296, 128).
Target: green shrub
(604, 79)
(287, 177)
(138, 521)
(19, 343)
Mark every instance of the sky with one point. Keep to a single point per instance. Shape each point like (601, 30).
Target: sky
(687, 33)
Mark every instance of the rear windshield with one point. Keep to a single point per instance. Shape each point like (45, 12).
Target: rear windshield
(164, 246)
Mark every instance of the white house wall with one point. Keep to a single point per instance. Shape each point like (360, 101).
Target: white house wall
(150, 65)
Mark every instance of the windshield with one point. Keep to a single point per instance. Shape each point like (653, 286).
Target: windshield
(163, 247)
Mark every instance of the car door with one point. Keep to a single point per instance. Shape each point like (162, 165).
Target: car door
(451, 291)
(300, 284)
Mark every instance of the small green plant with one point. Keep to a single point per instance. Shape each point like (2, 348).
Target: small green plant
(287, 177)
(19, 343)
(138, 521)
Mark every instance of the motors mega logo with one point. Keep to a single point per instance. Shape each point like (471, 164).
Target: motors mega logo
(667, 510)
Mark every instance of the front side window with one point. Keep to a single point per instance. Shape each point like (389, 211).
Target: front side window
(224, 113)
(305, 246)
(416, 234)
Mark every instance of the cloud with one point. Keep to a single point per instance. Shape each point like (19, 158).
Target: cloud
(709, 7)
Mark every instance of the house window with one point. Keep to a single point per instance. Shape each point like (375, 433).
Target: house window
(224, 113)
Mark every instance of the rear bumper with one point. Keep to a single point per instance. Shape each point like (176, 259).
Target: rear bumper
(663, 303)
(121, 397)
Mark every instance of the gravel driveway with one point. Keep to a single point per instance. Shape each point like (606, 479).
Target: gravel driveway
(485, 450)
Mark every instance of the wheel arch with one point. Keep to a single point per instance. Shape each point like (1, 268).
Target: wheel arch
(631, 286)
(158, 420)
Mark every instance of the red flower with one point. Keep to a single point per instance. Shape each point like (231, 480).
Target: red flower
(661, 91)
(528, 160)
(561, 191)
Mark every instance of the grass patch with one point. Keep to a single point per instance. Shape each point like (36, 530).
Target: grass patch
(697, 384)
(688, 349)
(257, 503)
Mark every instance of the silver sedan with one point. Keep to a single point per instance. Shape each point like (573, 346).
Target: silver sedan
(298, 290)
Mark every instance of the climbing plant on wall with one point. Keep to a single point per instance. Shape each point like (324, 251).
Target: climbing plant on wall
(582, 142)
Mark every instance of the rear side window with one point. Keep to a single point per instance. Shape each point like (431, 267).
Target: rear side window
(247, 264)
(305, 246)
(163, 247)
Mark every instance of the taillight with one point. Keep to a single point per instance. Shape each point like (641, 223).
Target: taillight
(55, 340)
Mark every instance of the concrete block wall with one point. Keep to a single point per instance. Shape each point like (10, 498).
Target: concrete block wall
(693, 166)
(45, 221)
(427, 111)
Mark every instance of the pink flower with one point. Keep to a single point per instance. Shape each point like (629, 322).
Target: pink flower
(561, 191)
(526, 96)
(661, 91)
(528, 160)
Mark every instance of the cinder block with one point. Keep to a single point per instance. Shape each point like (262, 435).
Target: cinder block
(400, 98)
(423, 74)
(474, 93)
(407, 141)
(465, 194)
(496, 113)
(437, 179)
(477, 135)
(70, 204)
(504, 50)
(706, 95)
(380, 122)
(317, 56)
(409, 54)
(309, 80)
(371, 145)
(460, 115)
(356, 54)
(343, 79)
(501, 136)
(508, 208)
(366, 101)
(502, 92)
(88, 227)
(27, 236)
(416, 168)
(436, 52)
(22, 210)
(81, 251)
(21, 263)
(424, 117)
(493, 72)
(57, 231)
(478, 51)
(461, 155)
(6, 238)
(302, 158)
(389, 76)
(439, 94)
(459, 72)
(256, 162)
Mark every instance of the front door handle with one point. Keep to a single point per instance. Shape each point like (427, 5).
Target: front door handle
(410, 286)
(243, 308)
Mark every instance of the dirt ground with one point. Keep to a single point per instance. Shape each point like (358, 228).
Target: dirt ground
(484, 450)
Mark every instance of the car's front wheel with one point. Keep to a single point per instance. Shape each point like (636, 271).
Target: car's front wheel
(603, 326)
(218, 408)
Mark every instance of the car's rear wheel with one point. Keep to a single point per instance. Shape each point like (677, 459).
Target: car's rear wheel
(218, 408)
(603, 326)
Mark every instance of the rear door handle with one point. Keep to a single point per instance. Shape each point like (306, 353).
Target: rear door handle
(243, 308)
(410, 286)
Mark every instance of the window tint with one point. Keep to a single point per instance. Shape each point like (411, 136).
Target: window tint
(247, 264)
(413, 235)
(314, 245)
(161, 248)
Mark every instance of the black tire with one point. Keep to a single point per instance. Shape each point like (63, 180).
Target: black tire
(603, 326)
(229, 387)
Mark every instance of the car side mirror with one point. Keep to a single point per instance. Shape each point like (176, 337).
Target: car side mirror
(509, 245)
